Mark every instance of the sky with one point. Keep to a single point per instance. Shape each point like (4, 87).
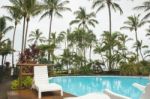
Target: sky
(61, 24)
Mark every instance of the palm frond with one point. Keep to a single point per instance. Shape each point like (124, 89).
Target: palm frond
(8, 29)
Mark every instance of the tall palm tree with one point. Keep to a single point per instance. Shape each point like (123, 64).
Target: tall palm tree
(83, 19)
(146, 7)
(13, 15)
(32, 8)
(19, 5)
(36, 36)
(100, 4)
(51, 8)
(26, 8)
(132, 24)
(3, 41)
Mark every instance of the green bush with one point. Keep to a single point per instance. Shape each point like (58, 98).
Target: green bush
(26, 83)
(15, 84)
(85, 69)
(141, 68)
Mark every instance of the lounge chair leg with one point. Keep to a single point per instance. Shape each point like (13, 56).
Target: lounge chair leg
(61, 92)
(39, 94)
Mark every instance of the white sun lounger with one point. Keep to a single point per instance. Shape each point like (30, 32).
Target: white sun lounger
(114, 95)
(139, 86)
(41, 81)
(144, 89)
(107, 94)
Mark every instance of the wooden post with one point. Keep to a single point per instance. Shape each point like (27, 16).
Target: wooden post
(20, 77)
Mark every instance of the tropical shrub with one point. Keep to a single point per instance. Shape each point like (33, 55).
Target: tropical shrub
(30, 55)
(26, 83)
(141, 68)
(85, 69)
(15, 84)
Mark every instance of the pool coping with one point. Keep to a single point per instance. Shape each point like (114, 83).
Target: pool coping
(148, 77)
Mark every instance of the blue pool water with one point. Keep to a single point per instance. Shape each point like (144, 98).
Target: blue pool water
(81, 85)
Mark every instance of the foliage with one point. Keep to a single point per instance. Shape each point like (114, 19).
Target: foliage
(36, 36)
(85, 69)
(43, 61)
(141, 68)
(26, 83)
(15, 84)
(83, 19)
(29, 55)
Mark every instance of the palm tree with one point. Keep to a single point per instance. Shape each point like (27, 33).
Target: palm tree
(51, 8)
(140, 46)
(109, 42)
(32, 8)
(3, 41)
(63, 36)
(91, 40)
(19, 5)
(123, 39)
(66, 58)
(26, 8)
(3, 28)
(14, 15)
(133, 23)
(100, 4)
(148, 32)
(83, 19)
(146, 7)
(36, 36)
(98, 50)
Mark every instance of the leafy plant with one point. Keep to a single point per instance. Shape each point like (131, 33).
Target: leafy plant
(85, 69)
(29, 55)
(141, 68)
(15, 84)
(26, 83)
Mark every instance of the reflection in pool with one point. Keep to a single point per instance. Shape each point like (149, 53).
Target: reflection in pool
(81, 85)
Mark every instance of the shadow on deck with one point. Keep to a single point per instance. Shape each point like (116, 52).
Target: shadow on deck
(32, 94)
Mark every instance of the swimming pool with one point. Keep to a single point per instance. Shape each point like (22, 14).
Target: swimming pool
(81, 85)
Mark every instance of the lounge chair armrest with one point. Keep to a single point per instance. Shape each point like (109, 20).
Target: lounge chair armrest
(113, 95)
(139, 86)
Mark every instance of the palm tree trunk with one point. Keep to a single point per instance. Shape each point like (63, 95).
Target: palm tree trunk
(102, 59)
(141, 54)
(137, 49)
(124, 52)
(13, 45)
(84, 56)
(2, 61)
(50, 27)
(26, 33)
(110, 53)
(90, 53)
(5, 58)
(24, 22)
